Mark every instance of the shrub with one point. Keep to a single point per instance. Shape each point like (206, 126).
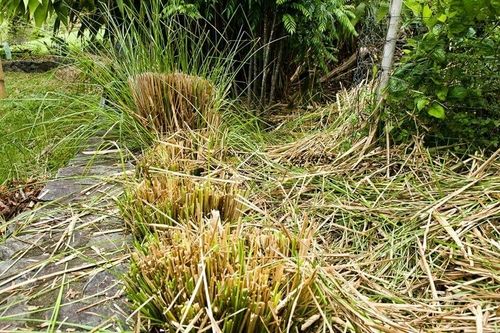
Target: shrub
(449, 75)
(256, 280)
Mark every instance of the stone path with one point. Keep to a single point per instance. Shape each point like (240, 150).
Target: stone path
(60, 267)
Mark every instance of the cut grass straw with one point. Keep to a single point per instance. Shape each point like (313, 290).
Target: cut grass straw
(189, 152)
(168, 103)
(407, 240)
(412, 233)
(166, 200)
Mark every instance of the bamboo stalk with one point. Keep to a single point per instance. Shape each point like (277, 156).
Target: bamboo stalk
(254, 78)
(266, 61)
(265, 48)
(274, 78)
(249, 80)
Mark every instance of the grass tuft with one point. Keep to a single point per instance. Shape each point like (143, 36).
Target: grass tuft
(168, 103)
(220, 277)
(189, 152)
(166, 200)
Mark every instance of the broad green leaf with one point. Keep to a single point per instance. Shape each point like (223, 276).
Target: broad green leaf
(381, 12)
(426, 12)
(397, 85)
(436, 110)
(12, 6)
(427, 15)
(458, 92)
(442, 93)
(415, 7)
(40, 14)
(33, 5)
(422, 102)
(442, 18)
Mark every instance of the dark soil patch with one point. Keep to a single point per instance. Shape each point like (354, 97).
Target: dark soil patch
(34, 64)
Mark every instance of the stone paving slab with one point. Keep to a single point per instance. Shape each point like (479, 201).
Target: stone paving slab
(71, 256)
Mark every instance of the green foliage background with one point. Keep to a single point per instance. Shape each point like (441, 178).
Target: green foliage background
(290, 36)
(449, 75)
(446, 82)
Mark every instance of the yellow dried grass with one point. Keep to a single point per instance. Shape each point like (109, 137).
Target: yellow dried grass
(168, 200)
(167, 103)
(224, 278)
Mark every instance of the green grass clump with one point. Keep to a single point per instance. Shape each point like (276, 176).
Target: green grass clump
(219, 277)
(40, 123)
(161, 75)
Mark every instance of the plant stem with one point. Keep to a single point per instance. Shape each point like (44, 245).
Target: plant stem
(277, 67)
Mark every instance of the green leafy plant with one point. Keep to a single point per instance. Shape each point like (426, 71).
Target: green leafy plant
(448, 75)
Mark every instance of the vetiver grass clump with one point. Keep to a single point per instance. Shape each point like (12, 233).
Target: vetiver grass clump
(174, 185)
(225, 278)
(189, 152)
(166, 200)
(159, 77)
(170, 102)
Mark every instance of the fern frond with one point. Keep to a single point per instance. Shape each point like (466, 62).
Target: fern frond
(289, 23)
(344, 21)
(306, 11)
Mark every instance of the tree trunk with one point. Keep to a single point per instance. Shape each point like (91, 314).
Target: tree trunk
(390, 45)
(3, 93)
(265, 68)
(277, 67)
